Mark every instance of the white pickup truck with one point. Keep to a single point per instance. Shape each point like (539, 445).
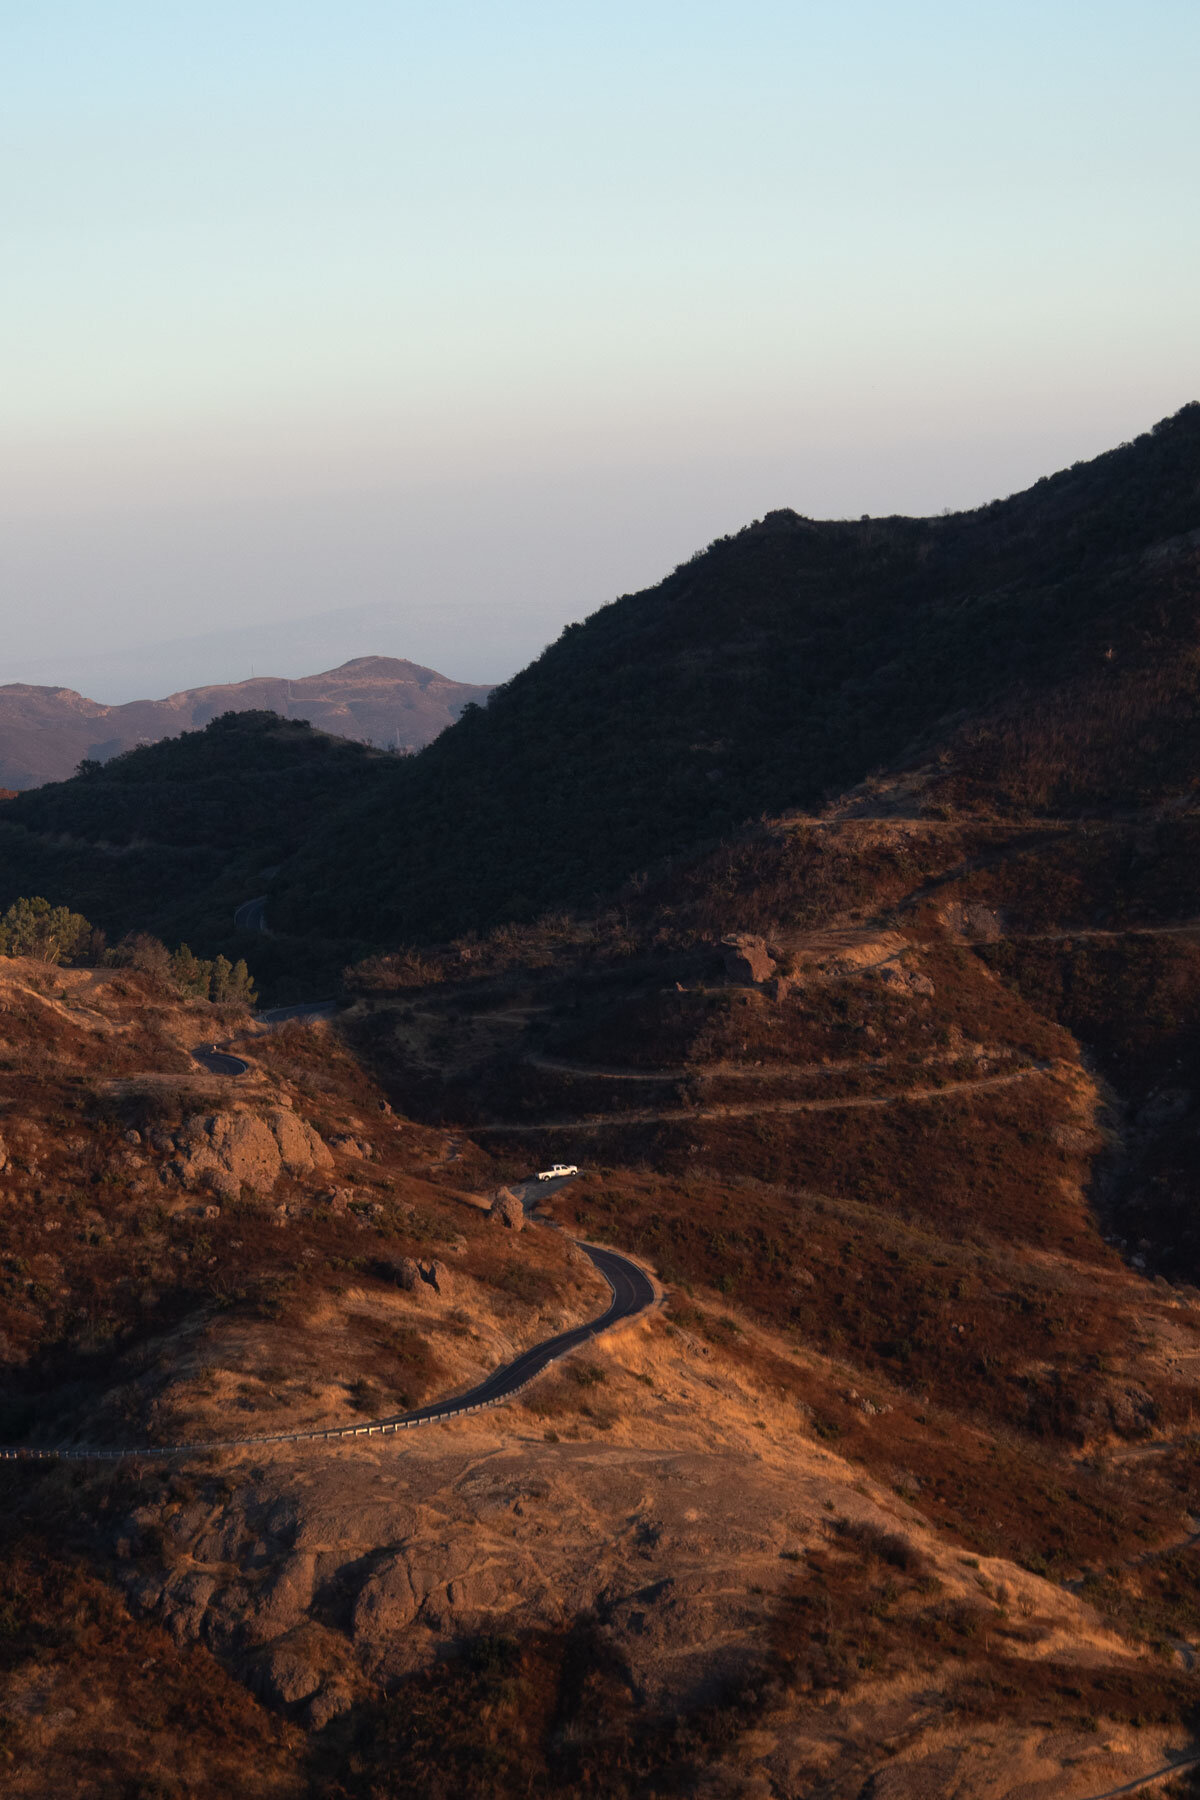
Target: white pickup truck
(557, 1171)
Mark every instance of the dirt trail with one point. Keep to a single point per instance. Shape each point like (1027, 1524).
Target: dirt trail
(693, 1114)
(731, 1071)
(1189, 928)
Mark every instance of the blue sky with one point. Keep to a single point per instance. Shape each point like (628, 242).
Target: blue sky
(460, 319)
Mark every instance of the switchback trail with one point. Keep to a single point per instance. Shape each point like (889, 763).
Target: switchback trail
(682, 1114)
(731, 1071)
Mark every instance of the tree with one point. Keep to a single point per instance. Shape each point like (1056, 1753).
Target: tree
(231, 983)
(52, 934)
(145, 953)
(191, 974)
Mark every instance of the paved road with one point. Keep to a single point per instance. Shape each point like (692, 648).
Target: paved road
(218, 1061)
(305, 1009)
(632, 1293)
(251, 915)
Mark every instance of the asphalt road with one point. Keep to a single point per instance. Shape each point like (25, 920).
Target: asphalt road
(251, 915)
(305, 1009)
(217, 1061)
(223, 1062)
(632, 1293)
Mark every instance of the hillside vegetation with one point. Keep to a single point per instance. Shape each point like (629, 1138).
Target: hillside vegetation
(784, 665)
(171, 838)
(1037, 657)
(834, 907)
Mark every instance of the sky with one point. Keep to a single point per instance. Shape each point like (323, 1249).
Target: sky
(421, 329)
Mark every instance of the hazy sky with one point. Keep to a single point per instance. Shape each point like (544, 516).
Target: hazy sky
(459, 319)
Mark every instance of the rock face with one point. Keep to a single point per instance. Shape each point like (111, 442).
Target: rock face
(226, 1152)
(459, 1549)
(748, 959)
(406, 1273)
(507, 1210)
(424, 1281)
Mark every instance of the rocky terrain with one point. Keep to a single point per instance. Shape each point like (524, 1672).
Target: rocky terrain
(889, 1495)
(890, 1079)
(46, 732)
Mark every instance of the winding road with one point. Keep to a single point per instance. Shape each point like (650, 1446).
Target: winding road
(632, 1293)
(251, 915)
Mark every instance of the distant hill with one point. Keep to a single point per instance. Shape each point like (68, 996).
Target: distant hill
(45, 732)
(1036, 657)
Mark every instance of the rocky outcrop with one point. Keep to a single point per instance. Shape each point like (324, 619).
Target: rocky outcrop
(227, 1152)
(405, 1271)
(437, 1276)
(748, 959)
(507, 1210)
(424, 1281)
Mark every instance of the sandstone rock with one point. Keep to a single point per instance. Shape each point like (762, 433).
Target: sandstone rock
(236, 1146)
(506, 1209)
(387, 1603)
(747, 958)
(226, 1152)
(3, 1154)
(437, 1276)
(334, 1698)
(404, 1272)
(286, 1674)
(301, 1148)
(284, 1602)
(183, 1604)
(349, 1146)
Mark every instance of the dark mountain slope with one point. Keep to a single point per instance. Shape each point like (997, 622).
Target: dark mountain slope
(780, 666)
(171, 838)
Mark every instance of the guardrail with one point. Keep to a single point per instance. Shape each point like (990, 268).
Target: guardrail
(373, 1428)
(377, 1428)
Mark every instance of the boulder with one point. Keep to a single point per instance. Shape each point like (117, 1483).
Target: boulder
(226, 1152)
(404, 1272)
(437, 1276)
(507, 1210)
(747, 958)
(301, 1149)
(387, 1603)
(286, 1673)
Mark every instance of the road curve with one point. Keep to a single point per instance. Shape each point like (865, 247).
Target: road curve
(218, 1061)
(632, 1293)
(251, 915)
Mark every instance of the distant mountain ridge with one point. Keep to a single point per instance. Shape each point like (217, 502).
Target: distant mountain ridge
(45, 732)
(1037, 658)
